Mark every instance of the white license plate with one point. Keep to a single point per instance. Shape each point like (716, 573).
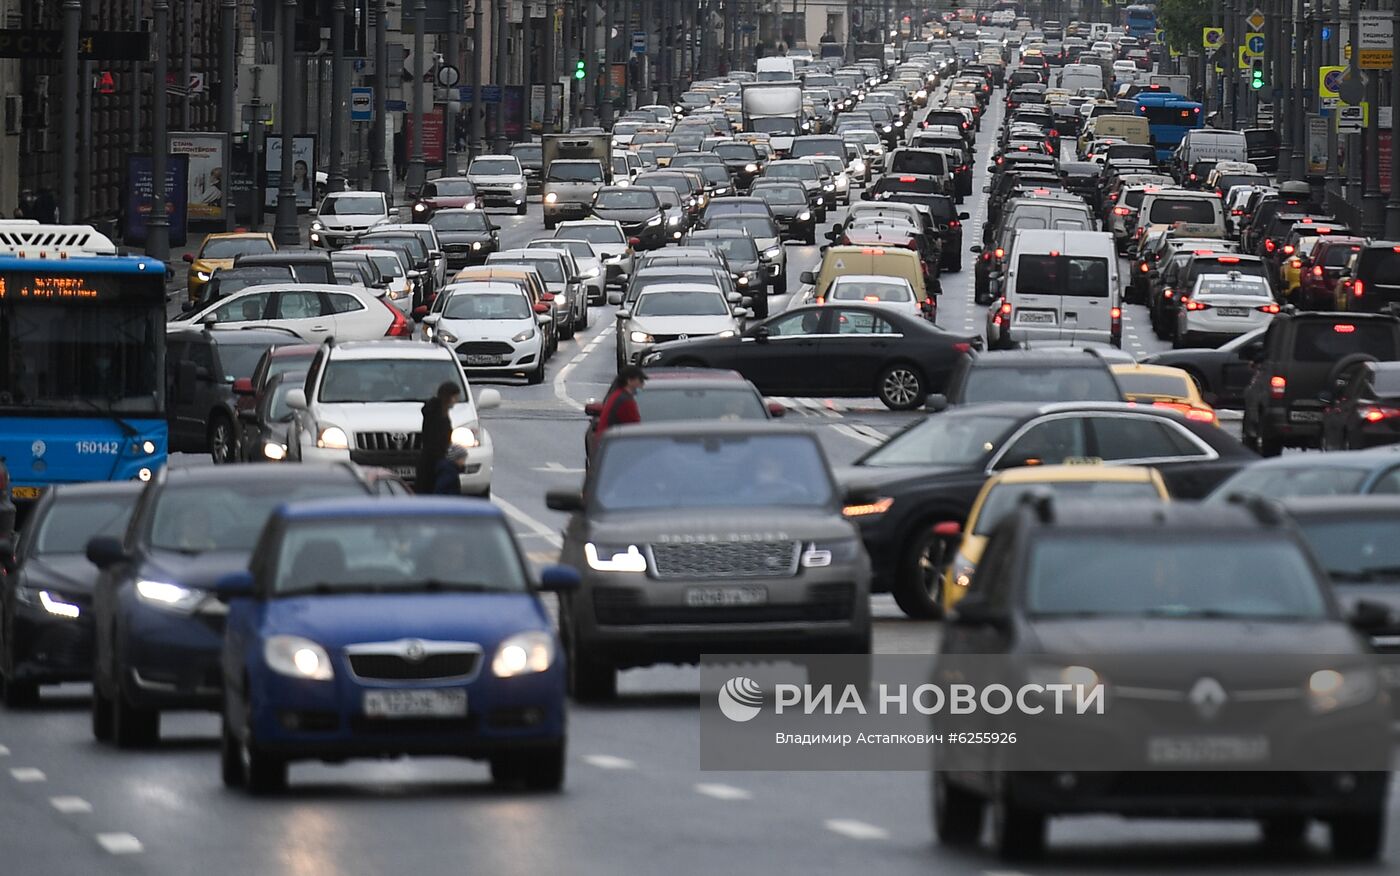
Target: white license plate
(1233, 311)
(724, 597)
(1032, 316)
(1305, 416)
(391, 704)
(1207, 750)
(406, 472)
(480, 359)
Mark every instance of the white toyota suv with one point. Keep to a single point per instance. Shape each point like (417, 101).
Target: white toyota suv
(363, 403)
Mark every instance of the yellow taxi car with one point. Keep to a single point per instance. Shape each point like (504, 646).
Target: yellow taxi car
(1002, 492)
(219, 251)
(1164, 387)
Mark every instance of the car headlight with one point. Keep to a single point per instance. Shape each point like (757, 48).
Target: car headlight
(820, 201)
(51, 602)
(517, 186)
(750, 168)
(465, 436)
(806, 126)
(674, 220)
(522, 336)
(640, 338)
(829, 187)
(887, 129)
(446, 336)
(551, 198)
(962, 571)
(614, 558)
(653, 221)
(804, 216)
(858, 166)
(772, 252)
(470, 205)
(274, 451)
(316, 225)
(820, 554)
(333, 438)
(741, 279)
(1332, 689)
(296, 657)
(622, 183)
(420, 208)
(523, 654)
(476, 244)
(203, 276)
(727, 333)
(868, 509)
(171, 597)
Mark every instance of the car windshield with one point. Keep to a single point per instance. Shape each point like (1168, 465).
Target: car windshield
(870, 290)
(487, 305)
(662, 402)
(1148, 576)
(781, 195)
(550, 270)
(578, 248)
(736, 249)
(1281, 482)
(495, 167)
(575, 171)
(1039, 383)
(626, 199)
(72, 520)
(410, 244)
(646, 473)
(398, 554)
(454, 188)
(791, 171)
(353, 205)
(943, 439)
(375, 381)
(754, 226)
(594, 233)
(389, 266)
(528, 153)
(1004, 498)
(194, 518)
(736, 152)
(1355, 550)
(467, 221)
(681, 303)
(231, 247)
(237, 279)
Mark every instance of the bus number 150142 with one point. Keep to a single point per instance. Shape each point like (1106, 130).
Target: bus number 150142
(108, 448)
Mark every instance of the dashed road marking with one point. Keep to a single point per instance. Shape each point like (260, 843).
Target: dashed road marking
(849, 432)
(849, 827)
(609, 762)
(528, 522)
(120, 843)
(28, 774)
(70, 805)
(722, 792)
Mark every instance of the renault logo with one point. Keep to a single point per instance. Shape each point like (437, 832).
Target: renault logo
(1208, 697)
(414, 651)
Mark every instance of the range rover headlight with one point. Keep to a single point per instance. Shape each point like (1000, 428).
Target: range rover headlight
(614, 558)
(820, 554)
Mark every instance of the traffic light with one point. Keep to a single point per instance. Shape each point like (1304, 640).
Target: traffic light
(1256, 73)
(579, 71)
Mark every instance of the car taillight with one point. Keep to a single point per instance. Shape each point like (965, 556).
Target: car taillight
(954, 224)
(1121, 211)
(1191, 304)
(1317, 270)
(1113, 197)
(1358, 288)
(962, 347)
(1200, 416)
(1295, 263)
(821, 299)
(400, 327)
(1142, 266)
(1268, 308)
(1277, 386)
(1236, 212)
(1192, 177)
(1343, 328)
(1288, 249)
(1167, 293)
(1270, 246)
(1005, 308)
(986, 256)
(1000, 253)
(1376, 413)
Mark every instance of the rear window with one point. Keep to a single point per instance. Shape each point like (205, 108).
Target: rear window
(1153, 384)
(1282, 482)
(1330, 340)
(930, 163)
(1192, 211)
(1078, 276)
(1004, 498)
(1379, 266)
(1338, 256)
(919, 184)
(1040, 383)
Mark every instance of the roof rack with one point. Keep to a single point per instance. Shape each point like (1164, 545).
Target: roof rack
(28, 239)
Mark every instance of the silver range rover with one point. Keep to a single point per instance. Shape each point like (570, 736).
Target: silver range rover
(707, 537)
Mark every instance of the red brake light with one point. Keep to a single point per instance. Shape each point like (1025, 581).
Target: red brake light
(1288, 249)
(1054, 253)
(906, 179)
(1295, 263)
(1358, 288)
(1202, 251)
(1116, 313)
(1229, 260)
(1344, 328)
(1143, 267)
(1167, 293)
(1268, 308)
(1121, 211)
(1000, 253)
(1317, 270)
(962, 347)
(873, 252)
(400, 327)
(1200, 416)
(1006, 308)
(1376, 413)
(1236, 212)
(1277, 386)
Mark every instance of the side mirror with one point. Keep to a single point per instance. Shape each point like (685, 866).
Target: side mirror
(742, 313)
(777, 409)
(564, 500)
(541, 307)
(964, 216)
(614, 299)
(623, 315)
(543, 318)
(593, 409)
(976, 612)
(559, 579)
(189, 257)
(296, 399)
(488, 400)
(312, 212)
(104, 551)
(432, 319)
(1368, 617)
(807, 277)
(975, 248)
(243, 386)
(734, 297)
(936, 402)
(234, 585)
(436, 254)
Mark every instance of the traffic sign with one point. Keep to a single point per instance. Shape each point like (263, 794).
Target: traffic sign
(1244, 58)
(1329, 79)
(639, 42)
(1377, 42)
(396, 106)
(1254, 43)
(1256, 19)
(448, 76)
(1212, 37)
(1351, 119)
(1352, 89)
(466, 94)
(361, 104)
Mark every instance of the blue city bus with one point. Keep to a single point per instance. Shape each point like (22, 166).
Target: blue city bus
(1139, 20)
(82, 359)
(1169, 116)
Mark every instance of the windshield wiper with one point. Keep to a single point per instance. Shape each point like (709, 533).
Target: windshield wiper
(434, 585)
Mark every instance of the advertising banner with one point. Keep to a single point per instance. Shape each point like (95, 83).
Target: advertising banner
(140, 186)
(206, 153)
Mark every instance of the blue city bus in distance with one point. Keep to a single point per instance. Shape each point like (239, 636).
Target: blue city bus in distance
(1139, 20)
(82, 359)
(1169, 116)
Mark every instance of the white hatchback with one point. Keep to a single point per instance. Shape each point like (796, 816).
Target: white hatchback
(313, 312)
(492, 328)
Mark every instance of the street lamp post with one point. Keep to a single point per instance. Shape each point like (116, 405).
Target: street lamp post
(1392, 208)
(589, 92)
(381, 179)
(502, 71)
(1332, 24)
(228, 99)
(284, 230)
(187, 68)
(417, 169)
(1372, 201)
(335, 181)
(68, 170)
(478, 117)
(454, 57)
(158, 225)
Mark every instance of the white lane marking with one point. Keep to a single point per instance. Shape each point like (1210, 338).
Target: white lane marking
(70, 805)
(28, 774)
(608, 762)
(120, 843)
(852, 433)
(561, 391)
(722, 792)
(528, 522)
(559, 468)
(849, 827)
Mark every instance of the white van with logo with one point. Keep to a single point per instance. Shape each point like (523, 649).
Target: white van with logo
(1061, 288)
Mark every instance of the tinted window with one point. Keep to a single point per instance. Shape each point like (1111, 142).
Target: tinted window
(1380, 265)
(70, 522)
(681, 304)
(1044, 383)
(626, 199)
(193, 518)
(229, 247)
(1192, 211)
(661, 403)
(1050, 442)
(1355, 550)
(494, 167)
(1327, 341)
(1123, 438)
(1079, 276)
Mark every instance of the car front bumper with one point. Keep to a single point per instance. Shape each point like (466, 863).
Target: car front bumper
(49, 649)
(475, 480)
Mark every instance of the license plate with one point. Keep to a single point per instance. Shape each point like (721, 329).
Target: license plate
(1233, 311)
(1305, 416)
(407, 472)
(391, 704)
(481, 359)
(724, 597)
(1207, 750)
(26, 492)
(1032, 316)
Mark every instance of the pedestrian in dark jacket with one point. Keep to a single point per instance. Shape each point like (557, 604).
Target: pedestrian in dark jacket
(448, 480)
(437, 435)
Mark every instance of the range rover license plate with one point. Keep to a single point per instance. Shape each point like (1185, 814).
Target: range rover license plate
(725, 597)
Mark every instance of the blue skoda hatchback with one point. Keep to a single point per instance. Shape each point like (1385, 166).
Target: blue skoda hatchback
(389, 627)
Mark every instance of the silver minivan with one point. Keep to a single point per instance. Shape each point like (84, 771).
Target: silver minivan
(1061, 288)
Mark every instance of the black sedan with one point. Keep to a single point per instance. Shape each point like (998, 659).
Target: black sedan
(636, 209)
(854, 350)
(46, 604)
(930, 473)
(467, 236)
(791, 208)
(1222, 373)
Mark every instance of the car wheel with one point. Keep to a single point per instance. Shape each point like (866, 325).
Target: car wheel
(230, 757)
(957, 813)
(1270, 446)
(901, 387)
(590, 680)
(536, 377)
(132, 726)
(566, 331)
(1018, 834)
(953, 267)
(536, 769)
(223, 440)
(1358, 837)
(101, 715)
(520, 210)
(18, 694)
(918, 591)
(583, 316)
(263, 773)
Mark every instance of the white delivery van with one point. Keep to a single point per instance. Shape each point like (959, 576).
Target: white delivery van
(1076, 76)
(779, 69)
(1061, 288)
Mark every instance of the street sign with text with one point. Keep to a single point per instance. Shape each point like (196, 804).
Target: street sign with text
(1376, 40)
(93, 45)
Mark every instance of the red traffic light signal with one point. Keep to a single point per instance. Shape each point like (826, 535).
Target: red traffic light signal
(106, 83)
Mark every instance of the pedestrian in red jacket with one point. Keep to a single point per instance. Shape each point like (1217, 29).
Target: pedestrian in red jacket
(620, 404)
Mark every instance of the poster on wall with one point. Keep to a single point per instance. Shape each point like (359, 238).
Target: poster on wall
(205, 153)
(140, 186)
(537, 107)
(1317, 144)
(434, 141)
(303, 169)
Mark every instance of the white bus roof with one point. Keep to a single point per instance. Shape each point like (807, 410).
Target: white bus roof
(28, 239)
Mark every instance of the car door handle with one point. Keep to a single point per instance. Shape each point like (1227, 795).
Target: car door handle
(319, 328)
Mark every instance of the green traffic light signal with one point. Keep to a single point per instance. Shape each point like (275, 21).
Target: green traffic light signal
(579, 72)
(1256, 76)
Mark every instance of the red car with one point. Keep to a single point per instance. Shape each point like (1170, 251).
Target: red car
(1322, 270)
(450, 191)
